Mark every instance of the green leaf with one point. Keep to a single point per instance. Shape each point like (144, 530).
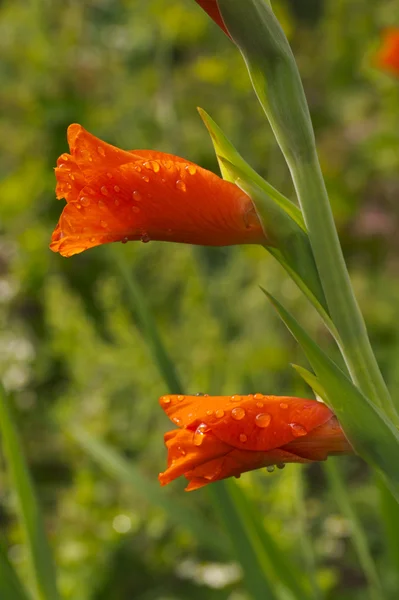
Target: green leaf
(11, 587)
(358, 534)
(312, 381)
(40, 557)
(127, 472)
(369, 431)
(231, 162)
(389, 512)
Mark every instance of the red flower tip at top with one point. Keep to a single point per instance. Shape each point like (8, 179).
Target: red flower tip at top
(222, 436)
(388, 55)
(211, 7)
(114, 195)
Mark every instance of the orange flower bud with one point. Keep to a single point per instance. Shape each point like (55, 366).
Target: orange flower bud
(222, 436)
(388, 55)
(114, 195)
(211, 7)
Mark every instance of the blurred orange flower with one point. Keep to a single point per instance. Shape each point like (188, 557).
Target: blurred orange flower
(221, 436)
(211, 7)
(388, 55)
(115, 195)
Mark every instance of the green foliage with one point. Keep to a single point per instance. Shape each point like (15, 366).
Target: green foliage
(74, 355)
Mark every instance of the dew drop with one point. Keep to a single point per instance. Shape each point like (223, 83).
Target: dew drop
(235, 398)
(137, 168)
(152, 165)
(176, 420)
(283, 405)
(104, 191)
(145, 238)
(180, 397)
(72, 176)
(69, 186)
(109, 175)
(200, 394)
(78, 206)
(190, 169)
(65, 157)
(181, 185)
(209, 412)
(135, 209)
(260, 404)
(270, 468)
(101, 150)
(168, 164)
(145, 178)
(298, 430)
(101, 204)
(104, 224)
(136, 196)
(163, 180)
(92, 239)
(258, 396)
(166, 400)
(243, 438)
(125, 240)
(262, 420)
(219, 413)
(84, 201)
(90, 158)
(238, 413)
(181, 450)
(200, 433)
(117, 188)
(280, 465)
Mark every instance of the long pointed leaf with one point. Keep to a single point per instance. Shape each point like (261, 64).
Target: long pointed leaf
(371, 434)
(11, 587)
(41, 560)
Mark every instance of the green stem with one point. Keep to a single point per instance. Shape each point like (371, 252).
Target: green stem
(343, 307)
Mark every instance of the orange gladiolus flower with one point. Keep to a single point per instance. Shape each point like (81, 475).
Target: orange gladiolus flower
(115, 195)
(388, 56)
(211, 7)
(221, 436)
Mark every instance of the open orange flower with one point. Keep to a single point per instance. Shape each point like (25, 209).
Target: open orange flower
(222, 436)
(211, 7)
(388, 55)
(114, 195)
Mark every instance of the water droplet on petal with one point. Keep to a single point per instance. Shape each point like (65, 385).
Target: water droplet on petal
(209, 412)
(135, 209)
(101, 204)
(104, 191)
(176, 420)
(283, 405)
(168, 164)
(238, 413)
(280, 465)
(243, 438)
(235, 398)
(145, 178)
(181, 185)
(180, 397)
(181, 450)
(65, 157)
(200, 394)
(109, 175)
(260, 404)
(263, 420)
(117, 188)
(298, 430)
(92, 239)
(145, 238)
(78, 206)
(85, 201)
(258, 396)
(136, 196)
(137, 168)
(219, 413)
(104, 224)
(190, 169)
(165, 400)
(152, 165)
(199, 434)
(72, 176)
(125, 240)
(101, 150)
(270, 468)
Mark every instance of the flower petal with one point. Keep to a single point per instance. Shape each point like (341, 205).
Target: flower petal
(211, 7)
(115, 195)
(388, 56)
(254, 422)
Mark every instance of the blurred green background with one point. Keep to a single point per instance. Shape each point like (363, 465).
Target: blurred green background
(72, 350)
